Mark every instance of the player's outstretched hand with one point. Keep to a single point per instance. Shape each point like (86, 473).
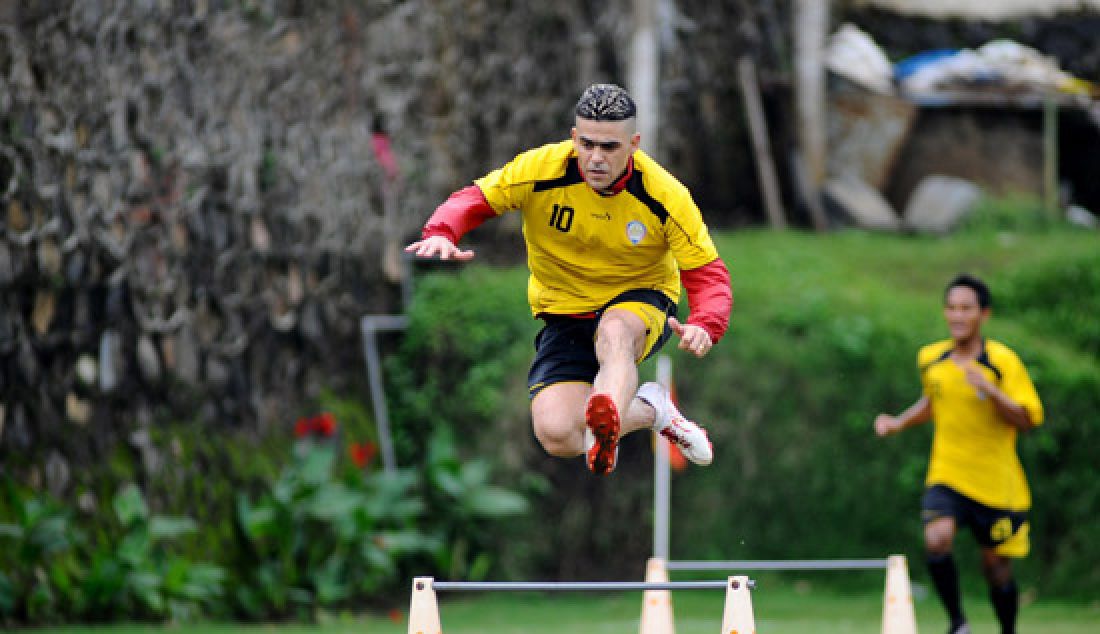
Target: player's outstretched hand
(693, 338)
(438, 247)
(886, 425)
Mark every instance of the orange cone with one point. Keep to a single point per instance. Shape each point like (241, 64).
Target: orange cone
(657, 604)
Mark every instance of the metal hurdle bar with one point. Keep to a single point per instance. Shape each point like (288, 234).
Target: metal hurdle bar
(581, 586)
(424, 618)
(792, 564)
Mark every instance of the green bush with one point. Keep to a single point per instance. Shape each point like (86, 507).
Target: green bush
(38, 558)
(462, 357)
(330, 533)
(463, 502)
(1014, 212)
(1061, 297)
(58, 574)
(331, 530)
(135, 574)
(321, 537)
(1056, 302)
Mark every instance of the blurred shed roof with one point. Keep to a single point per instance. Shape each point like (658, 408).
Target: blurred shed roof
(981, 9)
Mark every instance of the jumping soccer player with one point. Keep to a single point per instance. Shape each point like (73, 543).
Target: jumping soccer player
(610, 238)
(980, 396)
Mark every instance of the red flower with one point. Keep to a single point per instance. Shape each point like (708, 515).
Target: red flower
(396, 615)
(362, 453)
(303, 427)
(325, 424)
(320, 425)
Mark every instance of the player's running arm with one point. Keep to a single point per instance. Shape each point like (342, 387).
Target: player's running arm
(710, 300)
(462, 212)
(1011, 412)
(918, 413)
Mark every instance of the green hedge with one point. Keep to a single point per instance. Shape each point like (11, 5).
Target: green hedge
(329, 532)
(824, 337)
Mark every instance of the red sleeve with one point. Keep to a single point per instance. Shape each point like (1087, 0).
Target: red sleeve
(463, 212)
(710, 297)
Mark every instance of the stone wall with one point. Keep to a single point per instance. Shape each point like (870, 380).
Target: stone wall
(194, 216)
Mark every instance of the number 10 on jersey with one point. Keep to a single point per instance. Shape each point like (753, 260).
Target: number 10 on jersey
(561, 218)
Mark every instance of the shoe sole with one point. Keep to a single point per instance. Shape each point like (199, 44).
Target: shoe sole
(602, 419)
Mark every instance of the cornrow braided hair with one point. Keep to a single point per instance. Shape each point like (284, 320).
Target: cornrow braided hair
(606, 102)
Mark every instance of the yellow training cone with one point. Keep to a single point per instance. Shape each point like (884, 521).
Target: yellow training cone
(657, 604)
(897, 607)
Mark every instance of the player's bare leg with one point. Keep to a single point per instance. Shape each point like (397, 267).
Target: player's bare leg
(557, 414)
(619, 339)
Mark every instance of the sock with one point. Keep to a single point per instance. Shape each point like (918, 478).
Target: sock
(1006, 602)
(945, 577)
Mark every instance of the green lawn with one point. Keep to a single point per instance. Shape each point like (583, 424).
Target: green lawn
(780, 608)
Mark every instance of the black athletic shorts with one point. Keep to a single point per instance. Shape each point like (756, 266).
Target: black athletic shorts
(565, 347)
(1004, 531)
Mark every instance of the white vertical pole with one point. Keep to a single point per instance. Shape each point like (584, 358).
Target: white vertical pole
(1050, 156)
(661, 478)
(811, 23)
(645, 72)
(643, 80)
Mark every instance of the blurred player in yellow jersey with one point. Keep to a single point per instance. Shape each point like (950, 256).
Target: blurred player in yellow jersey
(611, 237)
(979, 396)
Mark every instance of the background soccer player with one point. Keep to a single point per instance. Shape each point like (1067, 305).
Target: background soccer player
(610, 238)
(980, 396)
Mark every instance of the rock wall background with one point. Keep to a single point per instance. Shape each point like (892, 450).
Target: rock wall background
(194, 217)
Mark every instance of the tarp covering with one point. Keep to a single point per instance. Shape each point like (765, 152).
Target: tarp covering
(980, 9)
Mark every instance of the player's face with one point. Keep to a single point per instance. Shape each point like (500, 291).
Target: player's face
(963, 313)
(603, 149)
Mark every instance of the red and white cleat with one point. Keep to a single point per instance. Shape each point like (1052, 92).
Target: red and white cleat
(670, 423)
(602, 418)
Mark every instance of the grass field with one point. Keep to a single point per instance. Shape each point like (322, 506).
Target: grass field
(780, 608)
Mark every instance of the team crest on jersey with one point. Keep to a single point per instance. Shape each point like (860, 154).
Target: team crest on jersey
(635, 231)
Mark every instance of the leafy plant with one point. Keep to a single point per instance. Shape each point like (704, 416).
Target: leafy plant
(40, 554)
(58, 574)
(319, 538)
(463, 500)
(138, 575)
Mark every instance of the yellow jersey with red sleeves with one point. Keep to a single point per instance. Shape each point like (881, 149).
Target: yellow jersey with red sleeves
(583, 248)
(973, 448)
